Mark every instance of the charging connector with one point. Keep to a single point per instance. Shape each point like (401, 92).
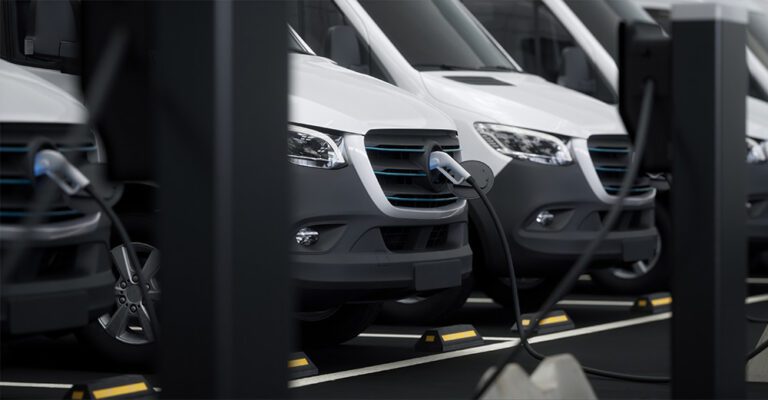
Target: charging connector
(60, 170)
(448, 166)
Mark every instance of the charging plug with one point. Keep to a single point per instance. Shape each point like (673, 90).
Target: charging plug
(53, 164)
(449, 167)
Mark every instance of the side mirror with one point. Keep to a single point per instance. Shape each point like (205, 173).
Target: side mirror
(575, 71)
(52, 30)
(341, 45)
(483, 176)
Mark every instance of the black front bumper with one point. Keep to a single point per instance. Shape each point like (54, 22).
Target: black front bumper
(523, 189)
(64, 281)
(363, 255)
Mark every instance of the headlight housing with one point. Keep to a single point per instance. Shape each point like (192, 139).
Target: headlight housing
(525, 144)
(313, 149)
(757, 153)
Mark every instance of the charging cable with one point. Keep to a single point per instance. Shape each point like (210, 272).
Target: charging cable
(453, 172)
(69, 179)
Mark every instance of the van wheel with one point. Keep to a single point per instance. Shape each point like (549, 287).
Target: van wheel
(433, 309)
(643, 276)
(125, 334)
(333, 327)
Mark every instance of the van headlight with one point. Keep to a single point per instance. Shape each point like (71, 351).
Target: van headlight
(525, 144)
(757, 152)
(310, 148)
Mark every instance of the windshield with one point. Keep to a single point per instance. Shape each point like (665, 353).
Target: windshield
(602, 18)
(437, 34)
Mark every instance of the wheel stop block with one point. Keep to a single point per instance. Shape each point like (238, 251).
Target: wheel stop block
(554, 321)
(300, 366)
(653, 303)
(449, 338)
(118, 387)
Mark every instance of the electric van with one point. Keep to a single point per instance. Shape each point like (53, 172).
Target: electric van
(558, 156)
(56, 274)
(372, 222)
(574, 43)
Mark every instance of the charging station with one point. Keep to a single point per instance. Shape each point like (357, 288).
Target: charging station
(709, 83)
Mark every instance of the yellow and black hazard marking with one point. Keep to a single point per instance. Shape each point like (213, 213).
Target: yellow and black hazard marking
(653, 303)
(449, 338)
(300, 366)
(554, 321)
(118, 387)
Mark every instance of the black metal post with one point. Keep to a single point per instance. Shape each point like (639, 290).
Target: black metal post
(708, 201)
(220, 99)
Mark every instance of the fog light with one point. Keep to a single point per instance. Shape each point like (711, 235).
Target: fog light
(307, 237)
(545, 218)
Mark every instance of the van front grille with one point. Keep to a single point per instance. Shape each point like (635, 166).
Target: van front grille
(399, 161)
(611, 155)
(18, 189)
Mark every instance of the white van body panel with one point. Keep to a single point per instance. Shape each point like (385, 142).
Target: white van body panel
(320, 91)
(529, 102)
(26, 97)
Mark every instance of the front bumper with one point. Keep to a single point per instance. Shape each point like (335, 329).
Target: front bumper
(65, 280)
(757, 221)
(523, 189)
(363, 255)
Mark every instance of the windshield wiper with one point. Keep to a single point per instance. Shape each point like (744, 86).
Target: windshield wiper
(450, 67)
(496, 68)
(446, 67)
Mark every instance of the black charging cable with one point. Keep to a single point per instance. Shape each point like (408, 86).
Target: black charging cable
(143, 282)
(566, 284)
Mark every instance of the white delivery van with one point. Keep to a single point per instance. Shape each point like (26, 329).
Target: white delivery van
(558, 155)
(575, 43)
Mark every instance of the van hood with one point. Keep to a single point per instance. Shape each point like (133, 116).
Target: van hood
(25, 97)
(325, 95)
(525, 101)
(757, 118)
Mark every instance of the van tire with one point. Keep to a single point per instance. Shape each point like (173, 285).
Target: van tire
(433, 309)
(345, 324)
(657, 279)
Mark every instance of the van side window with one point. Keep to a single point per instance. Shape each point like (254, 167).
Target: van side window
(327, 31)
(537, 40)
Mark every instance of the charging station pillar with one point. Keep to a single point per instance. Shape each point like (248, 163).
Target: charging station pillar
(708, 201)
(219, 115)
